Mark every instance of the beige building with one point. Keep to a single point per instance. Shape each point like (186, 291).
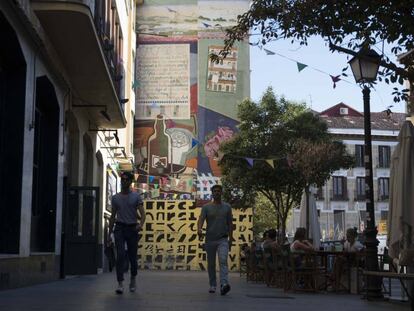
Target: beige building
(66, 119)
(341, 201)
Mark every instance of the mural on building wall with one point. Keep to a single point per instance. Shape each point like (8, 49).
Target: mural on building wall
(169, 240)
(179, 126)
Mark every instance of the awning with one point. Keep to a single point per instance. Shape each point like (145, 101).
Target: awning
(71, 30)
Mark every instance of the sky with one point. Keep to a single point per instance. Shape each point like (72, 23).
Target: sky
(310, 85)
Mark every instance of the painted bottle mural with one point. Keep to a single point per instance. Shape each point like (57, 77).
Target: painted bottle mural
(159, 148)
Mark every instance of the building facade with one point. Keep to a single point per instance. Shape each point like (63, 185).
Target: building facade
(66, 119)
(341, 201)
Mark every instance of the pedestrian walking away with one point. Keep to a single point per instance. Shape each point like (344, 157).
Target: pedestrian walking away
(218, 239)
(125, 223)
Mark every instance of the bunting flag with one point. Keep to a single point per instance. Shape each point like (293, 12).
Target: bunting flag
(170, 123)
(194, 142)
(156, 186)
(268, 52)
(301, 66)
(250, 161)
(135, 84)
(270, 162)
(155, 193)
(151, 179)
(175, 195)
(335, 79)
(220, 155)
(289, 161)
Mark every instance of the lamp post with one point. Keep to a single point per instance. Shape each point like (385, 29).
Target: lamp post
(365, 65)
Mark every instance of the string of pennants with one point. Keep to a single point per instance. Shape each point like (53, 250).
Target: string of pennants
(270, 161)
(301, 66)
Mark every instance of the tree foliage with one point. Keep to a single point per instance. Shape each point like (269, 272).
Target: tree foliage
(345, 25)
(264, 216)
(280, 130)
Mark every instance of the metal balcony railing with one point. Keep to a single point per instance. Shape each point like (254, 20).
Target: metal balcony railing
(359, 196)
(335, 196)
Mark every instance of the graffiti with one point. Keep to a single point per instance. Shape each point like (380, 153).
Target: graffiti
(169, 240)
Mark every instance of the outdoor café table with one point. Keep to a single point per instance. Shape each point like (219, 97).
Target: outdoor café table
(350, 258)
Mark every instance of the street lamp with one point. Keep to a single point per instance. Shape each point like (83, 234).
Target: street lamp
(364, 67)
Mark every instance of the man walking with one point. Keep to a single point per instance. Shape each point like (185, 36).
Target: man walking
(125, 207)
(219, 236)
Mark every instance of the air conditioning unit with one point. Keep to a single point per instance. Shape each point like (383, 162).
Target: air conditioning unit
(343, 111)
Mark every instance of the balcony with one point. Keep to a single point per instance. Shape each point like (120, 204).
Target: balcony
(71, 29)
(358, 196)
(383, 197)
(338, 196)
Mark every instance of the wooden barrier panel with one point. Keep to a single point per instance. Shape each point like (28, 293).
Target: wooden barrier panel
(169, 239)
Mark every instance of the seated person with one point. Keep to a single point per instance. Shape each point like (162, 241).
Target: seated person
(270, 241)
(264, 238)
(300, 244)
(351, 245)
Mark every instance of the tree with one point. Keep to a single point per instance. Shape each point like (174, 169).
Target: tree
(271, 129)
(264, 216)
(345, 25)
(316, 161)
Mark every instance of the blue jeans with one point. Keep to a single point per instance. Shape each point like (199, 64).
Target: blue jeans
(129, 235)
(220, 247)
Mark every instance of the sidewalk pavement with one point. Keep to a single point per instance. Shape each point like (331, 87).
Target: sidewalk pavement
(178, 291)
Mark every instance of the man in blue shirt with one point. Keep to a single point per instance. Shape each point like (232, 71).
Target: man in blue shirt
(219, 235)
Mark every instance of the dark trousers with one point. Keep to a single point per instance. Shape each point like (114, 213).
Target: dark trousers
(129, 235)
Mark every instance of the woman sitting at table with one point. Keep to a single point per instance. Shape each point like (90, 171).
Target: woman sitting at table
(351, 245)
(300, 244)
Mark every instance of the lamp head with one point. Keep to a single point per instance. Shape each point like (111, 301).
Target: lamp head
(365, 65)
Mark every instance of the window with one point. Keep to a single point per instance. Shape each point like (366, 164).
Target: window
(359, 155)
(360, 189)
(383, 189)
(339, 188)
(339, 225)
(319, 194)
(384, 156)
(343, 111)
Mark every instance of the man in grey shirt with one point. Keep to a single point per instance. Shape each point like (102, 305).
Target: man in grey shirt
(125, 207)
(219, 237)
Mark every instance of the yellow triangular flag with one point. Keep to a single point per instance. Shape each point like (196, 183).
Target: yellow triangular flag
(270, 162)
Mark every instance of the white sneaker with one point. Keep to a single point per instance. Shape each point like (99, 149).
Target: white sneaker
(212, 289)
(132, 285)
(119, 290)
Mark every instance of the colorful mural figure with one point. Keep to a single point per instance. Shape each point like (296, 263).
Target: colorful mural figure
(169, 240)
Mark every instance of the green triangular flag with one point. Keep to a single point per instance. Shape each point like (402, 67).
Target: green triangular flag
(135, 84)
(301, 66)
